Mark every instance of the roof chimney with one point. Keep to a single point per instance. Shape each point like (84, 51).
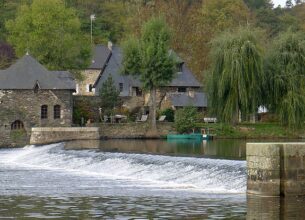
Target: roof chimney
(110, 45)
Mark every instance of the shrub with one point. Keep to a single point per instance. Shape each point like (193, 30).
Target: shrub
(185, 119)
(169, 113)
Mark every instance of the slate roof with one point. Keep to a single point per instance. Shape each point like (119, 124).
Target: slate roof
(100, 56)
(183, 99)
(113, 67)
(184, 78)
(27, 71)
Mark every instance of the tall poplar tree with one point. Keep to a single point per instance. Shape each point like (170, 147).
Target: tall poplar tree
(149, 59)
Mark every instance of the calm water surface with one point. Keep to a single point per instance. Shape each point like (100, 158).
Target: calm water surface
(135, 179)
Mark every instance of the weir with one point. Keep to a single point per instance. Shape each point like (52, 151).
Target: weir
(276, 169)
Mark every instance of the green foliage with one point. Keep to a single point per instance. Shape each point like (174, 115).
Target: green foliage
(250, 130)
(236, 74)
(109, 96)
(149, 59)
(256, 4)
(285, 73)
(51, 33)
(169, 113)
(185, 119)
(18, 135)
(82, 112)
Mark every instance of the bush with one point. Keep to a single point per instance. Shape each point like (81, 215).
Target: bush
(185, 119)
(169, 113)
(82, 110)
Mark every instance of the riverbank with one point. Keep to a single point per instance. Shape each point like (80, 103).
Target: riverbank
(142, 131)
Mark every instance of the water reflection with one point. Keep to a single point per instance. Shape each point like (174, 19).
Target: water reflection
(25, 207)
(275, 207)
(226, 149)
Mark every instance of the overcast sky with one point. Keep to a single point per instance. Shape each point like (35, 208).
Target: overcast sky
(279, 2)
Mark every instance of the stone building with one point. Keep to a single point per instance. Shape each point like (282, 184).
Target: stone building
(100, 57)
(183, 90)
(32, 96)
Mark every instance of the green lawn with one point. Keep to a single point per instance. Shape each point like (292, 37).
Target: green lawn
(249, 130)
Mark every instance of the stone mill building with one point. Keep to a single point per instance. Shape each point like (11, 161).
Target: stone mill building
(32, 96)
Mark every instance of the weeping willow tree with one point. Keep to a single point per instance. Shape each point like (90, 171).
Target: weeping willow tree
(236, 74)
(285, 68)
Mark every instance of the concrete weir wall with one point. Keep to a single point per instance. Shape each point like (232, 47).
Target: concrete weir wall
(276, 169)
(57, 134)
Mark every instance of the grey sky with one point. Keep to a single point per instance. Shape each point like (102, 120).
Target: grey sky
(279, 2)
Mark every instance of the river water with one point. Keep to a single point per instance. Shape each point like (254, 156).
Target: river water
(121, 179)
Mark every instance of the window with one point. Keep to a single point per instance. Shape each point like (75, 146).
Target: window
(44, 112)
(179, 67)
(90, 88)
(138, 91)
(121, 87)
(56, 111)
(76, 90)
(17, 125)
(181, 89)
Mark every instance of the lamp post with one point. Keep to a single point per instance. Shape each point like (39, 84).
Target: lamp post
(92, 18)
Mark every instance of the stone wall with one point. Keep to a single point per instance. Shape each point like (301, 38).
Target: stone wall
(276, 169)
(53, 135)
(25, 106)
(133, 130)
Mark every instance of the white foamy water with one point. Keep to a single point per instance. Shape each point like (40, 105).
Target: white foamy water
(52, 168)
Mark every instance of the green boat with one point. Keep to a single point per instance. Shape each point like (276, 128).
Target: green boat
(193, 136)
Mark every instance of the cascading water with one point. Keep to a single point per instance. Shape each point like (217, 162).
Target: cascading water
(51, 167)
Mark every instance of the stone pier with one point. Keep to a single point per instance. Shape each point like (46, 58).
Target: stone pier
(276, 169)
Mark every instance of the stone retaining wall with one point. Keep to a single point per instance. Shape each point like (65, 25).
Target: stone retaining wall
(53, 135)
(276, 169)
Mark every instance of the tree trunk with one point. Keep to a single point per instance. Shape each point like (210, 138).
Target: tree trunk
(153, 94)
(236, 115)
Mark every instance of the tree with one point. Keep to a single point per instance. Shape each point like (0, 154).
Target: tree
(212, 18)
(50, 32)
(109, 96)
(286, 78)
(256, 4)
(7, 55)
(289, 4)
(236, 74)
(149, 59)
(185, 119)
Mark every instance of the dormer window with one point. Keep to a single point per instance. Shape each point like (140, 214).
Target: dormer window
(179, 67)
(36, 87)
